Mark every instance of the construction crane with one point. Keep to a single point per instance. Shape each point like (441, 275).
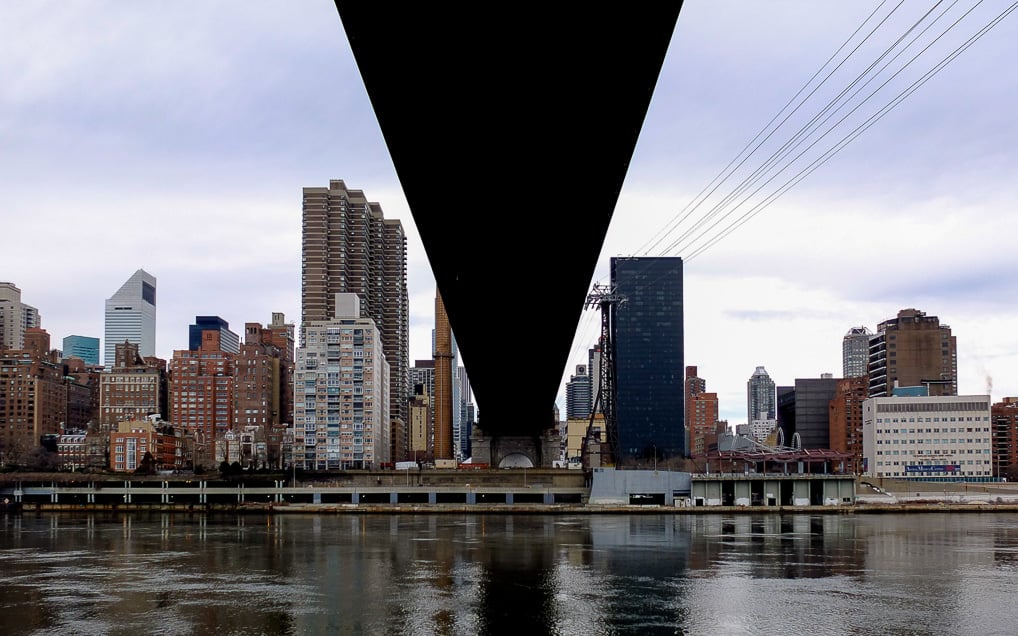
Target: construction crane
(606, 299)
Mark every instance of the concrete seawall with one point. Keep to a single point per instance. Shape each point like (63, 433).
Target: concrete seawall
(500, 492)
(539, 509)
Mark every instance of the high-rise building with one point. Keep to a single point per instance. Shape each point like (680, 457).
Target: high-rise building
(1005, 438)
(15, 317)
(763, 430)
(578, 396)
(202, 389)
(423, 373)
(913, 349)
(282, 336)
(349, 247)
(846, 419)
(341, 413)
(594, 370)
(33, 397)
(761, 396)
(812, 411)
(228, 340)
(420, 426)
(855, 352)
(647, 334)
(82, 394)
(83, 347)
(784, 418)
(263, 403)
(444, 402)
(132, 388)
(422, 377)
(701, 414)
(468, 416)
(131, 317)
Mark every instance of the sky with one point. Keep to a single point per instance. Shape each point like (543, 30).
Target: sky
(818, 165)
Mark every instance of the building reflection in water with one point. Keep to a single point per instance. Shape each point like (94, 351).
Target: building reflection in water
(451, 574)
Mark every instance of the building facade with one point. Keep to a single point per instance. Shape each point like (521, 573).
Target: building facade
(761, 396)
(348, 246)
(228, 340)
(83, 391)
(444, 402)
(131, 316)
(202, 390)
(855, 352)
(647, 334)
(132, 441)
(15, 318)
(263, 396)
(467, 413)
(72, 450)
(84, 347)
(763, 430)
(422, 378)
(812, 411)
(82, 400)
(701, 414)
(846, 419)
(133, 388)
(33, 397)
(1005, 438)
(934, 438)
(913, 349)
(579, 399)
(341, 413)
(594, 371)
(420, 427)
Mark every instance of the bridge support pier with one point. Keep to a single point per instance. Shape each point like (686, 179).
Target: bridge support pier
(502, 451)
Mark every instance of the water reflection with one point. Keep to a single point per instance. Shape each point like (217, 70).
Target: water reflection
(512, 574)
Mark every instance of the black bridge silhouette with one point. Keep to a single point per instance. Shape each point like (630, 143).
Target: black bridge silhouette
(511, 127)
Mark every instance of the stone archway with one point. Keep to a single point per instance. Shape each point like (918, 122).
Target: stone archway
(516, 460)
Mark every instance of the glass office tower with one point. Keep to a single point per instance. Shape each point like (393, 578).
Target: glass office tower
(131, 317)
(647, 332)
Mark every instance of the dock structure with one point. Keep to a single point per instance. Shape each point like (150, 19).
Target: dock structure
(514, 490)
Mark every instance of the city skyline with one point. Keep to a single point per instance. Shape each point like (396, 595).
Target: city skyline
(182, 150)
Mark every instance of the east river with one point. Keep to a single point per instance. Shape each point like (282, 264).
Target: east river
(156, 573)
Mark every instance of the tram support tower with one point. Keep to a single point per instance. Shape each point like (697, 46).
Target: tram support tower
(606, 299)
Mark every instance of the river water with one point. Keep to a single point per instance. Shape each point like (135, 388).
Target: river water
(155, 573)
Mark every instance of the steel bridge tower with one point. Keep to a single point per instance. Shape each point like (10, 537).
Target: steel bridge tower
(606, 299)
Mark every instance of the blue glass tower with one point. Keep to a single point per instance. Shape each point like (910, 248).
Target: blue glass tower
(84, 347)
(228, 340)
(647, 332)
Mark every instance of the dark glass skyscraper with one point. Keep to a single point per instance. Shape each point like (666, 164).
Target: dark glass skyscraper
(228, 340)
(647, 333)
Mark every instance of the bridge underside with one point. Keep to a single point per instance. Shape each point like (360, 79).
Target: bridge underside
(511, 132)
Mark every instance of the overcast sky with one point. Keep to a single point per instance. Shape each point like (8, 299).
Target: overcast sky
(176, 137)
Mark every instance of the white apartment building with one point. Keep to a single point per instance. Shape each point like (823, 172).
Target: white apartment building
(762, 429)
(341, 393)
(944, 438)
(15, 317)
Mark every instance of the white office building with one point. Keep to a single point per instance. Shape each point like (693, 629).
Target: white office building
(131, 317)
(940, 438)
